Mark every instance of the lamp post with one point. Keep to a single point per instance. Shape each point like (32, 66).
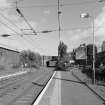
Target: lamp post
(86, 15)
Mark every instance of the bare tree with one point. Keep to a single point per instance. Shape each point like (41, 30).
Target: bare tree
(30, 59)
(62, 50)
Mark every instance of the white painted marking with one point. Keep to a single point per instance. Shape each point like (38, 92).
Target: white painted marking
(59, 83)
(42, 93)
(12, 75)
(56, 96)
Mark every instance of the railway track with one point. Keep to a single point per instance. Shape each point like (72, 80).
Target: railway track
(11, 85)
(9, 81)
(29, 92)
(19, 94)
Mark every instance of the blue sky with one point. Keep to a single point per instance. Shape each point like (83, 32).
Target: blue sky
(75, 30)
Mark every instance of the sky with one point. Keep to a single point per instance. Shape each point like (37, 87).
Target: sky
(42, 15)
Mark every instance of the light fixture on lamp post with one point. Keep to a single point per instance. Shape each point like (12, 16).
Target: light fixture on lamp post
(86, 15)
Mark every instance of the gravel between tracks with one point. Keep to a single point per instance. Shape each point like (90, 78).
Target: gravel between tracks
(24, 91)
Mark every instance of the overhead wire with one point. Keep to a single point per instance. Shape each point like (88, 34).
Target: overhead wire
(63, 4)
(69, 29)
(9, 27)
(12, 28)
(21, 14)
(31, 28)
(14, 31)
(55, 5)
(22, 35)
(9, 21)
(51, 5)
(79, 3)
(18, 10)
(65, 29)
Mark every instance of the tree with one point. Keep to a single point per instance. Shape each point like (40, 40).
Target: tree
(90, 53)
(30, 59)
(23, 58)
(62, 50)
(90, 50)
(73, 55)
(62, 57)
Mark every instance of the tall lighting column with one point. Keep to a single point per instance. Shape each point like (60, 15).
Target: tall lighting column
(86, 15)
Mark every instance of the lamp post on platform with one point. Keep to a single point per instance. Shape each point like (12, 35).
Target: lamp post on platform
(86, 15)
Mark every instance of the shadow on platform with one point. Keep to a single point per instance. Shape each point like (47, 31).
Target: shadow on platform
(69, 80)
(41, 85)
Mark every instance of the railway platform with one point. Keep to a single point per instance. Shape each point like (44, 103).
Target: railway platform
(65, 89)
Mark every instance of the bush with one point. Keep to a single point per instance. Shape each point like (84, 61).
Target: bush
(62, 65)
(99, 72)
(87, 69)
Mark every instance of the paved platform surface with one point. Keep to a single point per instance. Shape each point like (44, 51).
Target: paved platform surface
(65, 89)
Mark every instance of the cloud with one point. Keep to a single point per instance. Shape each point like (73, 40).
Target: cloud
(44, 20)
(100, 27)
(47, 12)
(26, 42)
(4, 4)
(5, 25)
(74, 38)
(100, 19)
(12, 16)
(78, 36)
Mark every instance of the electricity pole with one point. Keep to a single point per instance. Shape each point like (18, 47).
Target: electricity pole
(59, 26)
